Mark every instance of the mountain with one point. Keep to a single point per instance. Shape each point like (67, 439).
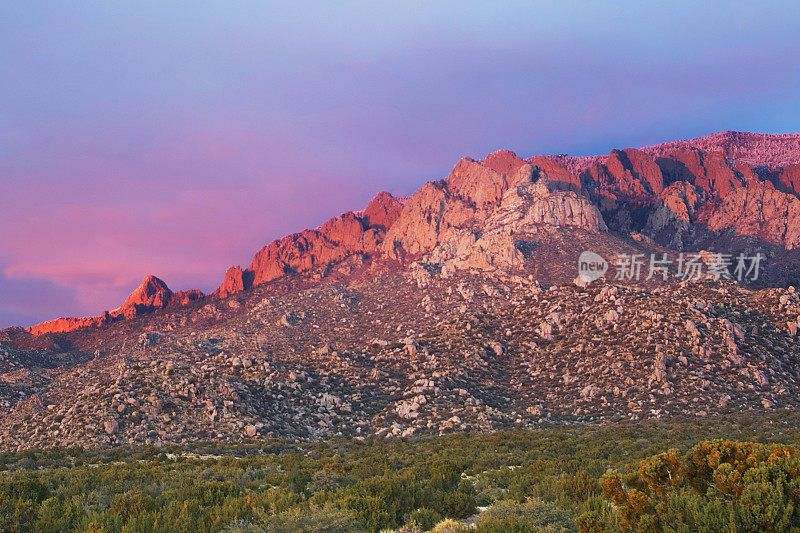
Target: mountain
(457, 308)
(679, 194)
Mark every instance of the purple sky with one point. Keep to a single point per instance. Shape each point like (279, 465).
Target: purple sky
(177, 138)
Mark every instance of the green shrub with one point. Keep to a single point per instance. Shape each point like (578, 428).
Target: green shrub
(55, 516)
(444, 476)
(531, 516)
(456, 504)
(425, 518)
(312, 520)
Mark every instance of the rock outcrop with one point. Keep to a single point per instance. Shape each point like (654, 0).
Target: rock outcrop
(524, 211)
(639, 164)
(184, 297)
(152, 294)
(532, 204)
(335, 240)
(236, 280)
(755, 149)
(382, 211)
(708, 171)
(340, 237)
(787, 178)
(556, 172)
(760, 211)
(477, 217)
(64, 324)
(632, 174)
(676, 194)
(673, 215)
(476, 183)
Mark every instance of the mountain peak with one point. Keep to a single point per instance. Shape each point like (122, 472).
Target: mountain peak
(382, 210)
(503, 162)
(151, 293)
(235, 280)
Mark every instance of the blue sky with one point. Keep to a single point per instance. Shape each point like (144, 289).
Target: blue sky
(176, 138)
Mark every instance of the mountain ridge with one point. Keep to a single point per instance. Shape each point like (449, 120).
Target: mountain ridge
(678, 180)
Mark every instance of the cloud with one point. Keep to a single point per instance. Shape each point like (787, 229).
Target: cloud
(26, 302)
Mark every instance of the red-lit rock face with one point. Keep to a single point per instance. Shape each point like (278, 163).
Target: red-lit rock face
(383, 211)
(233, 282)
(760, 211)
(556, 171)
(747, 183)
(504, 162)
(150, 295)
(333, 241)
(789, 177)
(62, 325)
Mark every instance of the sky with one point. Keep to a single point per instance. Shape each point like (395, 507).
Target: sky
(177, 138)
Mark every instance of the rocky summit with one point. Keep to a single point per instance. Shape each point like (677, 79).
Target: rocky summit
(459, 308)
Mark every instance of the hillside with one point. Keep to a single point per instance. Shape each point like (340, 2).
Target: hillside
(457, 309)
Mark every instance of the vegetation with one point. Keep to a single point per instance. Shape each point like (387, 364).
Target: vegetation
(717, 486)
(678, 475)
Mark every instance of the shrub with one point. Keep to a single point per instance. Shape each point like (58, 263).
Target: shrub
(531, 516)
(450, 526)
(444, 476)
(456, 504)
(553, 474)
(56, 516)
(312, 520)
(424, 518)
(717, 485)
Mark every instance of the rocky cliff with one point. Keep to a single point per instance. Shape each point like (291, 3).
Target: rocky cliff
(676, 195)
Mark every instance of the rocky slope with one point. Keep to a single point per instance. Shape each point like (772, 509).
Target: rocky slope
(406, 353)
(455, 309)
